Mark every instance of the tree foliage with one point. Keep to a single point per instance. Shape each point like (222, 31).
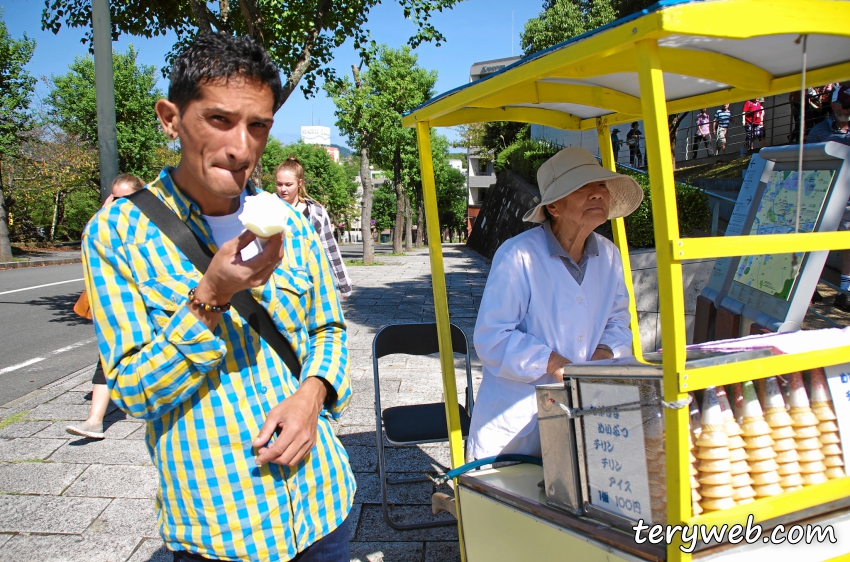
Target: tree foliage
(74, 108)
(561, 20)
(369, 112)
(384, 207)
(564, 19)
(16, 89)
(300, 36)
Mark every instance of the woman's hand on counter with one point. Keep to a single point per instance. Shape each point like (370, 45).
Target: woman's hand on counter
(601, 353)
(556, 364)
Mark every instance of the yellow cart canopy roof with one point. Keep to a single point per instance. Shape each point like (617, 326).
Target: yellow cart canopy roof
(712, 52)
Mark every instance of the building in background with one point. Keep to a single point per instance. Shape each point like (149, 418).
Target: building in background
(480, 172)
(316, 134)
(320, 136)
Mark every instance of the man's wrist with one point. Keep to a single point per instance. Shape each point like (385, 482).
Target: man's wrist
(207, 292)
(323, 391)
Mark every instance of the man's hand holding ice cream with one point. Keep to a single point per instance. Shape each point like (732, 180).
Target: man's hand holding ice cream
(265, 215)
(228, 272)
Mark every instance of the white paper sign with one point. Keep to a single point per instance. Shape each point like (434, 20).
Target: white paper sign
(614, 447)
(838, 380)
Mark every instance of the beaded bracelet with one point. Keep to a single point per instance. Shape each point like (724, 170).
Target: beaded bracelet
(207, 307)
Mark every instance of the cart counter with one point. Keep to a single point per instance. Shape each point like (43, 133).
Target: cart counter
(505, 517)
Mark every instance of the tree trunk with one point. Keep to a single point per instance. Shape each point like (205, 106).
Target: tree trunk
(366, 206)
(420, 222)
(673, 122)
(257, 175)
(55, 216)
(399, 202)
(408, 225)
(303, 64)
(5, 245)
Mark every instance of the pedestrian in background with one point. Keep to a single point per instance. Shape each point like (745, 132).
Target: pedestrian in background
(753, 115)
(616, 143)
(633, 140)
(702, 133)
(92, 427)
(720, 126)
(289, 183)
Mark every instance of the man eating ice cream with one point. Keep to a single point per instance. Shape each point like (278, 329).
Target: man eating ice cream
(249, 467)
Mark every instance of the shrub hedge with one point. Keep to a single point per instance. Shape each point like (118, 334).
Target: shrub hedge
(524, 157)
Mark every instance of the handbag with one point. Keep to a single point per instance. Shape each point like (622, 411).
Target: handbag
(83, 307)
(200, 255)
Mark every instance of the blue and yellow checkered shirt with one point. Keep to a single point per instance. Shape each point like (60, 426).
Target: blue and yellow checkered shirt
(206, 394)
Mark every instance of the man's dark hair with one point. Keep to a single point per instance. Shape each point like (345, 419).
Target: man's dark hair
(218, 57)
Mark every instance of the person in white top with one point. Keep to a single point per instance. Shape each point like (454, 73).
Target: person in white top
(555, 295)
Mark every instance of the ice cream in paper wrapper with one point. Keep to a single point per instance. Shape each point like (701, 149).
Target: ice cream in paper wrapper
(265, 215)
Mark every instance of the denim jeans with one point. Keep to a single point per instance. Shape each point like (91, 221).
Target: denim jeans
(330, 548)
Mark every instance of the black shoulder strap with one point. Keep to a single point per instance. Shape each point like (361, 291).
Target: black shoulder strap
(200, 255)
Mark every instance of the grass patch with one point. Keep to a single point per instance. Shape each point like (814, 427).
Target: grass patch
(14, 418)
(396, 255)
(731, 169)
(360, 262)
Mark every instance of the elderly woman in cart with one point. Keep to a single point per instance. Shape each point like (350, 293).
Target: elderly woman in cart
(555, 295)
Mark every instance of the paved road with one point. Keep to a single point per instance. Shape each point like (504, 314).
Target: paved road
(41, 339)
(355, 251)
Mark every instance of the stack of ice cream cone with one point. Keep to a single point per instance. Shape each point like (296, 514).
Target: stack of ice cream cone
(740, 469)
(783, 435)
(695, 497)
(807, 434)
(759, 445)
(829, 437)
(715, 477)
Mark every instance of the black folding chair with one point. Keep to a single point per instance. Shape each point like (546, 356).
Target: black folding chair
(418, 423)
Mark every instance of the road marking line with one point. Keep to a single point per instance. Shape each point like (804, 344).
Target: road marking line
(40, 286)
(21, 365)
(72, 346)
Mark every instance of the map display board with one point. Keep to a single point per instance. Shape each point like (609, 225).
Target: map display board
(775, 274)
(720, 280)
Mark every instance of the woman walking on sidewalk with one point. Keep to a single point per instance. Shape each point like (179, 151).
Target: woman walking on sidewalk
(92, 427)
(289, 183)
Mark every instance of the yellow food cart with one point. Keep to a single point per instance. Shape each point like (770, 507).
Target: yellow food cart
(673, 57)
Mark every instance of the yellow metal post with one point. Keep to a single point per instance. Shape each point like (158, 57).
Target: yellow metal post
(441, 307)
(441, 302)
(618, 226)
(671, 293)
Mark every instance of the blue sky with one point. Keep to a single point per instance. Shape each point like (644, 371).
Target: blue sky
(476, 30)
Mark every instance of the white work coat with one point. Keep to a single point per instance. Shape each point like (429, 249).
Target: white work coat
(531, 307)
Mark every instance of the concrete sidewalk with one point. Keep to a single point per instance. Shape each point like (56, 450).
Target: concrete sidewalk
(40, 258)
(70, 499)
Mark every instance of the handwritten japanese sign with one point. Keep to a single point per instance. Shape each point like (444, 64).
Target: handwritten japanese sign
(614, 450)
(838, 380)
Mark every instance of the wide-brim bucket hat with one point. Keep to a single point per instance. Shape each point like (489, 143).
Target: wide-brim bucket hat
(571, 169)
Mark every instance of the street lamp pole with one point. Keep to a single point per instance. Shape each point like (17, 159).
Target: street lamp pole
(107, 142)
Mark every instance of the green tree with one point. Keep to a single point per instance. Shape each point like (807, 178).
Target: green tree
(369, 109)
(300, 36)
(74, 108)
(383, 208)
(16, 88)
(401, 84)
(563, 19)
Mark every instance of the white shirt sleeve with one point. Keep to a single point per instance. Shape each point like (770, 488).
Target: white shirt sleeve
(617, 334)
(505, 350)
